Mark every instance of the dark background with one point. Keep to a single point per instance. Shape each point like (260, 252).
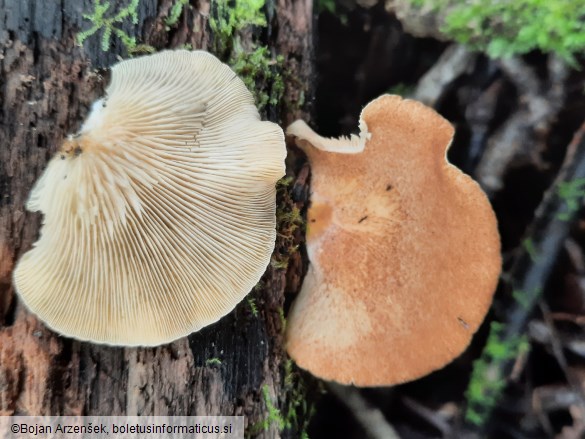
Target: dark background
(362, 53)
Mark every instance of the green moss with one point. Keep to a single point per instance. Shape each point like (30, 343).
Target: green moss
(279, 264)
(511, 27)
(572, 193)
(175, 13)
(260, 71)
(301, 101)
(291, 218)
(255, 64)
(487, 380)
(295, 407)
(527, 298)
(274, 415)
(401, 89)
(284, 182)
(288, 216)
(228, 17)
(288, 220)
(100, 20)
(288, 373)
(326, 5)
(213, 362)
(522, 298)
(334, 8)
(282, 318)
(530, 248)
(253, 306)
(186, 46)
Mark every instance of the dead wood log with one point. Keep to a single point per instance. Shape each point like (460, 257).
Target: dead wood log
(47, 84)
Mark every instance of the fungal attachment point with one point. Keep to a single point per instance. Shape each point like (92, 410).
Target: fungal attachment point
(404, 251)
(159, 215)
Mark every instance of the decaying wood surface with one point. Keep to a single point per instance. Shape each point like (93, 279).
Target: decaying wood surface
(47, 84)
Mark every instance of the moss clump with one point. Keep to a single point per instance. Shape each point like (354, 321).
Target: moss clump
(572, 193)
(175, 13)
(228, 17)
(274, 415)
(487, 379)
(260, 71)
(101, 20)
(511, 27)
(295, 407)
(288, 220)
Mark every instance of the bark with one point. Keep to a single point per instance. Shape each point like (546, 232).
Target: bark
(47, 84)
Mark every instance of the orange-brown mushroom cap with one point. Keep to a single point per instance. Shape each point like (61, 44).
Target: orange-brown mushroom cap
(404, 251)
(159, 216)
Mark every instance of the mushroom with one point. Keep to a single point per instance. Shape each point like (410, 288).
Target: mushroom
(159, 215)
(404, 250)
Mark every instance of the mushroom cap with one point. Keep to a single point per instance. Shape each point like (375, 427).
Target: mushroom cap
(404, 251)
(159, 215)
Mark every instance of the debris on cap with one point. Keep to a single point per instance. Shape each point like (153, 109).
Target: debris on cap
(159, 215)
(404, 251)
